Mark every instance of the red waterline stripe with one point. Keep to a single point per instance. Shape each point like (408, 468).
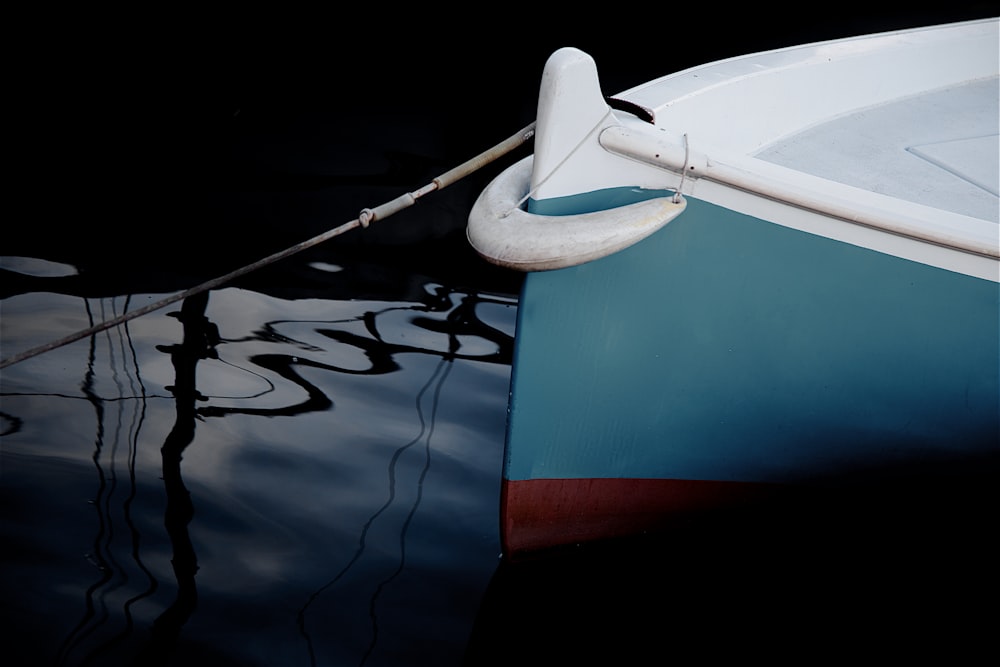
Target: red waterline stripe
(542, 514)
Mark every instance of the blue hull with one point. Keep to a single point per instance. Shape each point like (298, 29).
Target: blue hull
(728, 349)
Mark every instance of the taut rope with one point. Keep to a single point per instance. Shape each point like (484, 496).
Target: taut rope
(541, 182)
(366, 217)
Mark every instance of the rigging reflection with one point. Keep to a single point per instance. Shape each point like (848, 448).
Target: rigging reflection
(113, 574)
(461, 322)
(425, 434)
(459, 333)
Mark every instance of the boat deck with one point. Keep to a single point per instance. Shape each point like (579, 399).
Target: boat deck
(907, 154)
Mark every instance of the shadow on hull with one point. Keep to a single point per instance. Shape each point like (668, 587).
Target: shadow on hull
(899, 564)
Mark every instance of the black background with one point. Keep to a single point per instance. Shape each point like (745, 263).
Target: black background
(121, 123)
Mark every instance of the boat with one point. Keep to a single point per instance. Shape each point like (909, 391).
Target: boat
(750, 281)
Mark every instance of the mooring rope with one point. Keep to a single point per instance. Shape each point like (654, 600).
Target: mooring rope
(365, 218)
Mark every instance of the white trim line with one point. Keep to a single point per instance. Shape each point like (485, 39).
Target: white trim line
(952, 231)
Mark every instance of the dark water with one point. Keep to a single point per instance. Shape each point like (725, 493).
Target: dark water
(302, 466)
(260, 480)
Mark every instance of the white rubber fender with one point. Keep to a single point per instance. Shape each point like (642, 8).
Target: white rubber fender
(513, 238)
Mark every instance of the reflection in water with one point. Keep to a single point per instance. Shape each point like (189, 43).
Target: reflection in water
(102, 556)
(445, 325)
(200, 338)
(443, 367)
(437, 380)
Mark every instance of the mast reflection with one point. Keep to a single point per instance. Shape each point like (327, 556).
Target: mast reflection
(379, 335)
(199, 341)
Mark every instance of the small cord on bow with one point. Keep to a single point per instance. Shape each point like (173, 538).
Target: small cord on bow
(680, 186)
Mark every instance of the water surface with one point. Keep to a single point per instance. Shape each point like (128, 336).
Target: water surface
(251, 479)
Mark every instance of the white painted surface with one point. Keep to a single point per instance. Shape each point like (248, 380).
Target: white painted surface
(888, 142)
(513, 238)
